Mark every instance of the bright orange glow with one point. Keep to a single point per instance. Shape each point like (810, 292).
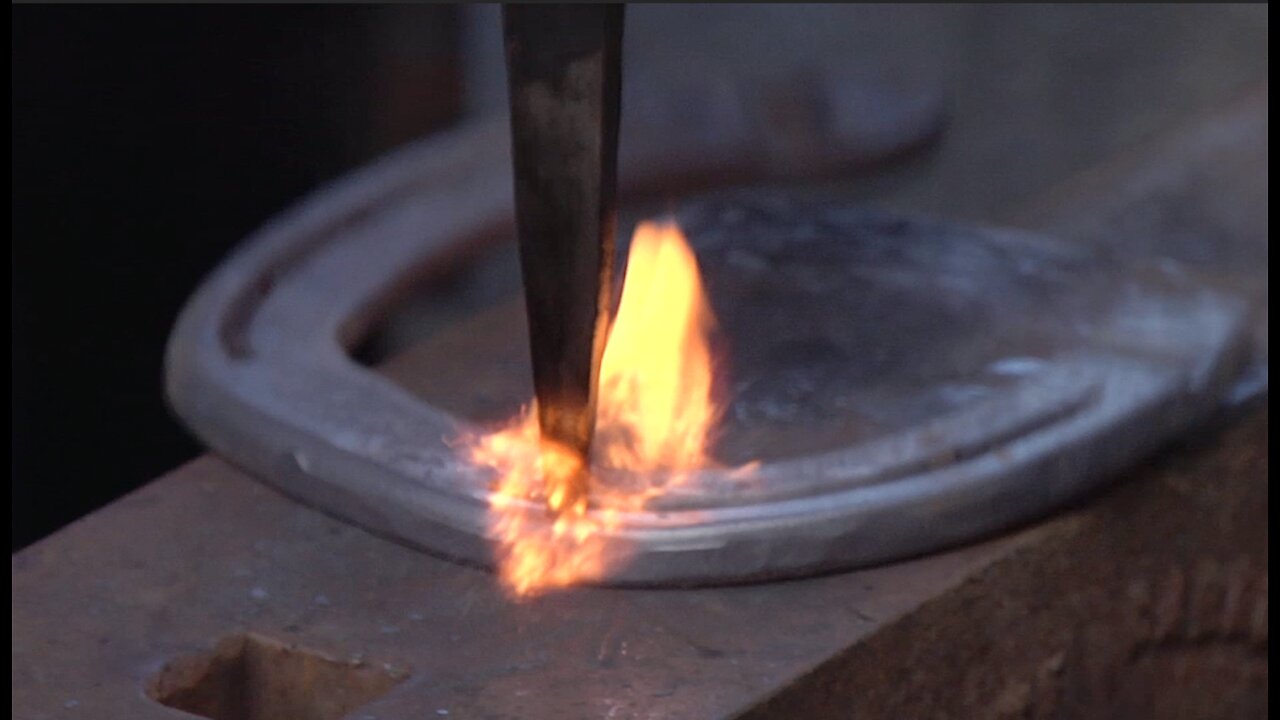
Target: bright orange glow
(654, 414)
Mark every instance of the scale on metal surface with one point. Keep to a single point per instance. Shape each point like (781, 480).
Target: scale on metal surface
(905, 384)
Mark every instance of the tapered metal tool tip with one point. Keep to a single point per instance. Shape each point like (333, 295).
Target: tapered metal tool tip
(564, 73)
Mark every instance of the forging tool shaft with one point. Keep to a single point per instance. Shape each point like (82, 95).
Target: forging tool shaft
(564, 75)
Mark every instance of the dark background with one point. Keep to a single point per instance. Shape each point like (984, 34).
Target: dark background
(147, 141)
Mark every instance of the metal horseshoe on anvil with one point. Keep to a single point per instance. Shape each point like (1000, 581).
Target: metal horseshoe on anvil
(923, 383)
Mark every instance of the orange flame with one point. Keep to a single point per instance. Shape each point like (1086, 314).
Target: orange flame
(654, 413)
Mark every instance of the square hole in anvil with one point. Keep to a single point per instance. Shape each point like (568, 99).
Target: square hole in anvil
(252, 677)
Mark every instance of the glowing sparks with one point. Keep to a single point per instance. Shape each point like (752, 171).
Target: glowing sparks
(654, 414)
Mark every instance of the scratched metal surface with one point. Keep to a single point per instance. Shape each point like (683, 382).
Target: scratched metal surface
(907, 384)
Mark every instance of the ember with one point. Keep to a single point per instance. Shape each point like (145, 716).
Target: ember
(655, 413)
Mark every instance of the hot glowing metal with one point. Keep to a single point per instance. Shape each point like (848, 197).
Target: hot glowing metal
(905, 384)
